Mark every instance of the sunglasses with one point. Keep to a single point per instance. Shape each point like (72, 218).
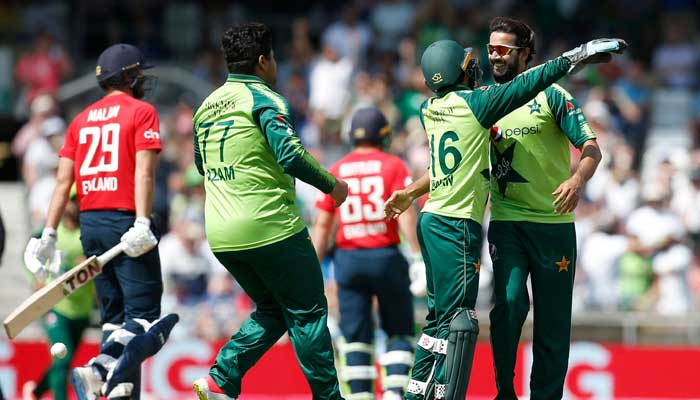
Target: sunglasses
(501, 49)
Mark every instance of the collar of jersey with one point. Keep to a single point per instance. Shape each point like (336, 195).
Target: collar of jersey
(444, 91)
(244, 78)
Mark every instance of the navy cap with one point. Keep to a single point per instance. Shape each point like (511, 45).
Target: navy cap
(118, 58)
(369, 124)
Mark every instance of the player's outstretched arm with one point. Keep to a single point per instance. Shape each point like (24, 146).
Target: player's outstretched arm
(491, 103)
(401, 200)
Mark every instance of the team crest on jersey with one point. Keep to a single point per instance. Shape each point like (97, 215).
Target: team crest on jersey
(534, 106)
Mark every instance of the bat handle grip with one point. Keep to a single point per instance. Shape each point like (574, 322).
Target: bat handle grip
(108, 255)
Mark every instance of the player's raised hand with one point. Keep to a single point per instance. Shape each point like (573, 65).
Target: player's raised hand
(339, 192)
(593, 52)
(397, 203)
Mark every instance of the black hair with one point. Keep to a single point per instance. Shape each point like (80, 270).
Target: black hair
(524, 35)
(242, 45)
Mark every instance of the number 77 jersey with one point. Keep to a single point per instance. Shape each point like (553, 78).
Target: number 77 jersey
(371, 177)
(102, 141)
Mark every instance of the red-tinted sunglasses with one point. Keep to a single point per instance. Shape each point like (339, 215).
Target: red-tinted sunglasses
(501, 49)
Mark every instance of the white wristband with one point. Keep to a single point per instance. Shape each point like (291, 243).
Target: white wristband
(142, 221)
(48, 233)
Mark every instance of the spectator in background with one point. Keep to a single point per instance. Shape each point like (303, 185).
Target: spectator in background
(329, 91)
(350, 37)
(41, 157)
(391, 20)
(671, 259)
(675, 61)
(39, 168)
(43, 67)
(41, 108)
(632, 96)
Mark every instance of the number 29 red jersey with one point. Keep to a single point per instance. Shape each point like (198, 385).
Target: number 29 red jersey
(102, 141)
(372, 177)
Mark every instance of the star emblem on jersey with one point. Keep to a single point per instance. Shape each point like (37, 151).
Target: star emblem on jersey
(534, 106)
(563, 264)
(503, 169)
(477, 266)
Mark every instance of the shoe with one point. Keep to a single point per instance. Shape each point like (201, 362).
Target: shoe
(28, 390)
(86, 382)
(207, 389)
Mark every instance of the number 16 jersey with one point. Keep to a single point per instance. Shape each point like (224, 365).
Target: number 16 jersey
(102, 141)
(371, 177)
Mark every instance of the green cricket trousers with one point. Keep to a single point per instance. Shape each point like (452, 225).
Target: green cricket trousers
(285, 282)
(451, 250)
(547, 253)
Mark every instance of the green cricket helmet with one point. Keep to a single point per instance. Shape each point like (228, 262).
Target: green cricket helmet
(444, 62)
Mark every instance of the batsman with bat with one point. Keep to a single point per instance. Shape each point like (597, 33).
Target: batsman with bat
(110, 152)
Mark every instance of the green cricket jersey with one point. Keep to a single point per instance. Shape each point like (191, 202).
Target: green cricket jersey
(79, 304)
(533, 158)
(246, 147)
(457, 123)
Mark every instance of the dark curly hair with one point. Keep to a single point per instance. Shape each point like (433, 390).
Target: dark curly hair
(242, 45)
(524, 35)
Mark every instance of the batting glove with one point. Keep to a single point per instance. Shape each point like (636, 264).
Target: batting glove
(416, 273)
(593, 52)
(41, 256)
(139, 239)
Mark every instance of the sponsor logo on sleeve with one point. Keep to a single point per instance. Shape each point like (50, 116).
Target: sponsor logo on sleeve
(151, 134)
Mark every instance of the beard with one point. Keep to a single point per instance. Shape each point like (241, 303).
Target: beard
(504, 73)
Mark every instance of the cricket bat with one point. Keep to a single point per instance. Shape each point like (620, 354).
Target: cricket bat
(43, 299)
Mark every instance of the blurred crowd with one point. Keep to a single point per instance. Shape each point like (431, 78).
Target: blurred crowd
(638, 222)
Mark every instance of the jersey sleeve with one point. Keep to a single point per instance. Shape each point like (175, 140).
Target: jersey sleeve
(271, 113)
(567, 112)
(146, 128)
(491, 103)
(70, 143)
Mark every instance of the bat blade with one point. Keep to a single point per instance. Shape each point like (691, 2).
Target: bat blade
(45, 298)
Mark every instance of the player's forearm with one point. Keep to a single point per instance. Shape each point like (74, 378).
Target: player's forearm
(408, 221)
(319, 237)
(59, 198)
(420, 187)
(588, 163)
(144, 182)
(320, 233)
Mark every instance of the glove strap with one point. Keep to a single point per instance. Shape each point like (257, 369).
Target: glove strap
(143, 221)
(49, 233)
(416, 257)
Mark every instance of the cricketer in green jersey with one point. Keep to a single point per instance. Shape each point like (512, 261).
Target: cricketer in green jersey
(532, 233)
(458, 121)
(249, 153)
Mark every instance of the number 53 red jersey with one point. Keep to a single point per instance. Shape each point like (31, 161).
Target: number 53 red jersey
(372, 177)
(102, 141)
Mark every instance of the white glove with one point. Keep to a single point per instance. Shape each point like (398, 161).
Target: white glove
(139, 239)
(41, 256)
(595, 51)
(416, 273)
